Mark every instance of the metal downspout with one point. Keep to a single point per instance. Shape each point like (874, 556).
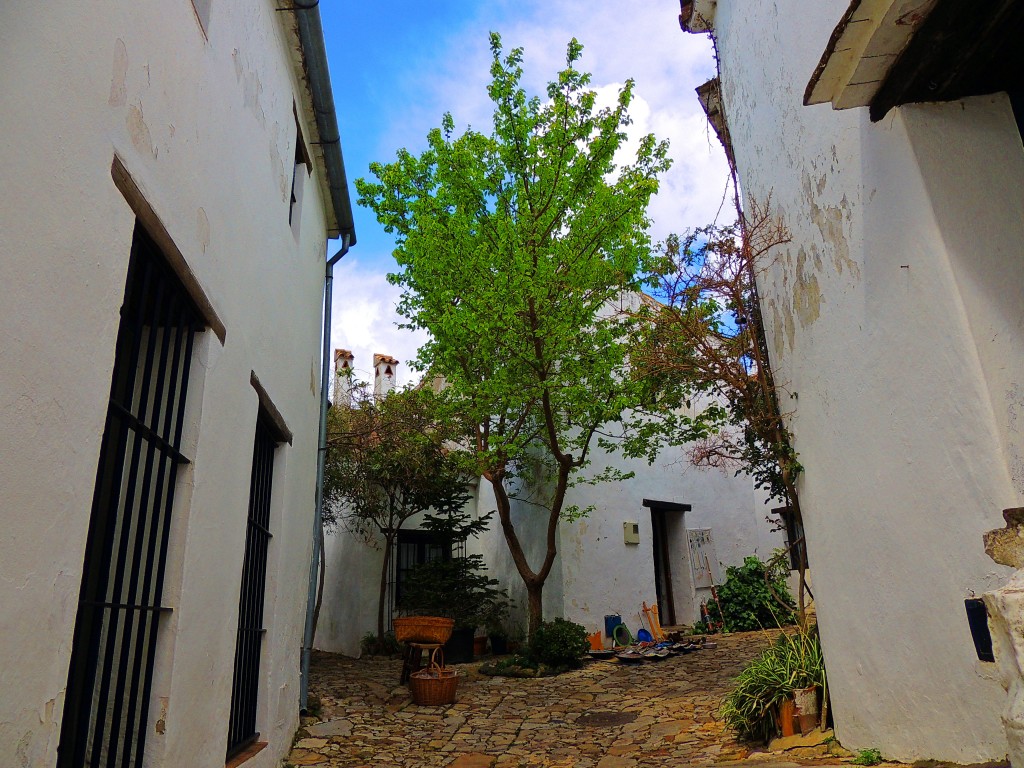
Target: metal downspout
(307, 642)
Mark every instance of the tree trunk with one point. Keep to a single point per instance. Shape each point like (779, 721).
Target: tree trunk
(534, 595)
(534, 580)
(320, 585)
(389, 540)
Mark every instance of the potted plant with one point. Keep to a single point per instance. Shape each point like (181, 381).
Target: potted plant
(792, 663)
(454, 587)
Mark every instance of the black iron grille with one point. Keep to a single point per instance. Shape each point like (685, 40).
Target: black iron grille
(413, 548)
(110, 678)
(245, 685)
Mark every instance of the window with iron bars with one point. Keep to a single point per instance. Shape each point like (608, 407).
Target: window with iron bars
(795, 542)
(412, 548)
(110, 678)
(245, 686)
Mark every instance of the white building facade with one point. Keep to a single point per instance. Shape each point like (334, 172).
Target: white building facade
(163, 275)
(662, 537)
(895, 317)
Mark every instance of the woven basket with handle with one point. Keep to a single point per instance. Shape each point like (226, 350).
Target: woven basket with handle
(434, 686)
(423, 629)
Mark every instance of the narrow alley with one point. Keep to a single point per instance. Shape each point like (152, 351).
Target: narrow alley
(606, 715)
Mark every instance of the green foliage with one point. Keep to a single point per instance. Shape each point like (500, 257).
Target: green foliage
(386, 645)
(707, 334)
(701, 627)
(792, 662)
(512, 666)
(559, 643)
(387, 459)
(458, 587)
(755, 595)
(869, 756)
(514, 249)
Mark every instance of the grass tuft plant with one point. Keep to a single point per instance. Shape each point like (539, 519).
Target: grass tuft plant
(792, 662)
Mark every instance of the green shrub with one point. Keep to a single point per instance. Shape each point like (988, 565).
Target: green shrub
(387, 645)
(792, 662)
(559, 643)
(746, 597)
(457, 588)
(701, 627)
(868, 757)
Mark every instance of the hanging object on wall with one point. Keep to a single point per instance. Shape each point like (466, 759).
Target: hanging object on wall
(703, 558)
(630, 532)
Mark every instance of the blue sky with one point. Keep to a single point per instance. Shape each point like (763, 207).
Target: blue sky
(396, 67)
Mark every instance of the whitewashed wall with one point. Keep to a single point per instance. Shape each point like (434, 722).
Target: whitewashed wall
(205, 126)
(596, 573)
(603, 575)
(895, 316)
(352, 568)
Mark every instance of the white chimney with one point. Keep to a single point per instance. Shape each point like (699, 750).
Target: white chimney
(384, 370)
(343, 377)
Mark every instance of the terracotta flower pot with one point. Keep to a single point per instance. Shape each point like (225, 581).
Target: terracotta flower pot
(787, 717)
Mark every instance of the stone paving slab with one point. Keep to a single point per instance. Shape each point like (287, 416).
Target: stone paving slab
(606, 715)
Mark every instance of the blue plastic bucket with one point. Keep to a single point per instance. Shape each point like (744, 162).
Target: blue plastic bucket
(611, 621)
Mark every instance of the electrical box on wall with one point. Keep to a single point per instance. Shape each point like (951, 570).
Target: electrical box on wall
(631, 532)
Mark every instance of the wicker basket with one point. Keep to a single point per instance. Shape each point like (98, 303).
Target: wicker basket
(434, 686)
(423, 629)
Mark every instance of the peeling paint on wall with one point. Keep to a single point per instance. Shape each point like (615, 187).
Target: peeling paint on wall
(21, 751)
(277, 162)
(139, 131)
(252, 88)
(118, 89)
(161, 723)
(807, 298)
(778, 334)
(831, 222)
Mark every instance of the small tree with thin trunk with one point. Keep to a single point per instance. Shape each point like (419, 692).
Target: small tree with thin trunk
(388, 459)
(707, 334)
(514, 251)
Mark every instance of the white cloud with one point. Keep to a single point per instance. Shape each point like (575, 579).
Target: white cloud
(364, 319)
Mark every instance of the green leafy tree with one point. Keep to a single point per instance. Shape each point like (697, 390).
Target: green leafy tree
(515, 251)
(388, 459)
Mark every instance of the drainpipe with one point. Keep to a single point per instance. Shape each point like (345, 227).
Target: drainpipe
(316, 74)
(318, 520)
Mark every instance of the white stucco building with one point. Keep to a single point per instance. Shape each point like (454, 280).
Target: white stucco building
(632, 548)
(884, 137)
(172, 174)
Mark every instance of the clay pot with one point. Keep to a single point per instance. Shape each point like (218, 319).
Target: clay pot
(787, 717)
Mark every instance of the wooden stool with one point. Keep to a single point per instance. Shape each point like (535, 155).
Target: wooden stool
(412, 658)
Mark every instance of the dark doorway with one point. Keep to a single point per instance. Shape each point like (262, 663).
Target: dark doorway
(663, 556)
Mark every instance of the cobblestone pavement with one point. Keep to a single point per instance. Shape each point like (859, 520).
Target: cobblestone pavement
(606, 715)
